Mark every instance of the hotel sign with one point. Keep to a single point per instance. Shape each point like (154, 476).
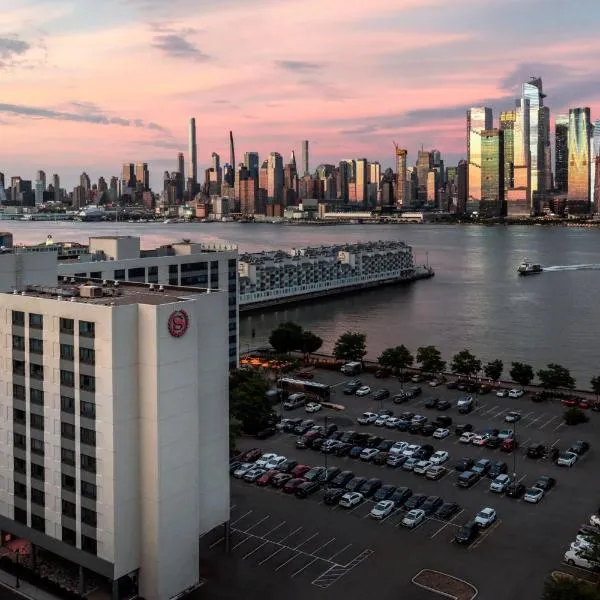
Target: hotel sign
(178, 323)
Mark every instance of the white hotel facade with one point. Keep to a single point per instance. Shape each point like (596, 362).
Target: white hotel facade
(114, 426)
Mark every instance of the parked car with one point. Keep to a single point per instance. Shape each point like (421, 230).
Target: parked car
(312, 407)
(485, 517)
(242, 469)
(509, 444)
(333, 495)
(292, 485)
(382, 420)
(443, 421)
(467, 437)
(463, 428)
(280, 480)
(401, 496)
(315, 474)
(443, 405)
(439, 457)
(363, 390)
(421, 467)
(384, 492)
(300, 471)
(500, 483)
(431, 402)
(354, 484)
(275, 462)
(382, 509)
(435, 472)
(482, 466)
(499, 467)
(415, 501)
(431, 504)
(515, 490)
(342, 478)
(381, 394)
(545, 483)
(536, 450)
(413, 518)
(463, 464)
(267, 432)
(566, 459)
(251, 455)
(396, 460)
(306, 489)
(573, 558)
(467, 479)
(512, 416)
(329, 474)
(533, 495)
(440, 433)
(579, 447)
(447, 510)
(502, 393)
(368, 454)
(467, 533)
(351, 387)
(288, 466)
(515, 393)
(493, 442)
(351, 499)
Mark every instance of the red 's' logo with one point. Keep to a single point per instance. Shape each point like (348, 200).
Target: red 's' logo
(178, 323)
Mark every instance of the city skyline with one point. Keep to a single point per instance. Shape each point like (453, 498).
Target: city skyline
(421, 74)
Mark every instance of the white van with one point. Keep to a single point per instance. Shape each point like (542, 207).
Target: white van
(295, 401)
(351, 368)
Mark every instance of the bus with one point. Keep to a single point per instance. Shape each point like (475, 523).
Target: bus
(314, 390)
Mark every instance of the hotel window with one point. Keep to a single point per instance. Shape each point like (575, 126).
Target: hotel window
(36, 346)
(36, 421)
(152, 274)
(96, 275)
(120, 274)
(36, 396)
(18, 391)
(87, 355)
(37, 447)
(89, 517)
(37, 472)
(87, 409)
(69, 536)
(20, 515)
(89, 544)
(137, 274)
(87, 383)
(19, 416)
(67, 378)
(88, 463)
(87, 329)
(38, 523)
(18, 342)
(19, 441)
(69, 509)
(87, 436)
(67, 404)
(67, 351)
(18, 367)
(20, 490)
(68, 483)
(19, 465)
(36, 371)
(67, 431)
(18, 318)
(173, 274)
(36, 321)
(88, 490)
(67, 326)
(67, 457)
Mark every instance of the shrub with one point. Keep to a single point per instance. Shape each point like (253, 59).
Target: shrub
(575, 416)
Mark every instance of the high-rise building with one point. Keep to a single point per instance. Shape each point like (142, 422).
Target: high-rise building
(578, 187)
(113, 189)
(479, 119)
(84, 475)
(343, 181)
(462, 171)
(492, 173)
(361, 180)
(251, 163)
(232, 156)
(193, 153)
(561, 149)
(518, 197)
(275, 178)
(507, 125)
(401, 199)
(432, 186)
(142, 175)
(128, 176)
(596, 167)
(56, 186)
(40, 187)
(424, 164)
(85, 182)
(305, 160)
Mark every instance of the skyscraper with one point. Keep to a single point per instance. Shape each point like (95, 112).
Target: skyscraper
(492, 173)
(275, 178)
(343, 181)
(361, 179)
(596, 138)
(251, 163)
(142, 175)
(40, 187)
(401, 154)
(561, 150)
(479, 119)
(305, 163)
(193, 152)
(507, 125)
(424, 163)
(127, 176)
(518, 197)
(56, 186)
(232, 156)
(578, 194)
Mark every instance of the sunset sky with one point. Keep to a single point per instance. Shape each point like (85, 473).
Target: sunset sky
(89, 84)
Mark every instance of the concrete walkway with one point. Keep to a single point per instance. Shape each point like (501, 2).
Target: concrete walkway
(26, 590)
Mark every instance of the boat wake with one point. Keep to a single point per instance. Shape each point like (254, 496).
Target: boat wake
(572, 268)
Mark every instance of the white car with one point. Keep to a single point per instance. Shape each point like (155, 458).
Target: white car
(512, 417)
(421, 467)
(595, 521)
(413, 518)
(382, 420)
(566, 459)
(485, 517)
(572, 558)
(515, 393)
(264, 459)
(367, 418)
(506, 433)
(253, 474)
(393, 422)
(502, 393)
(467, 437)
(382, 509)
(533, 495)
(581, 544)
(440, 433)
(500, 483)
(439, 457)
(243, 469)
(312, 407)
(435, 382)
(351, 499)
(368, 454)
(363, 390)
(411, 449)
(275, 463)
(436, 472)
(398, 447)
(480, 440)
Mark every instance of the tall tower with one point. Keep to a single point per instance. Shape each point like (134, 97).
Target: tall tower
(361, 177)
(479, 119)
(579, 160)
(401, 154)
(507, 125)
(251, 163)
(492, 172)
(305, 163)
(275, 178)
(56, 186)
(561, 153)
(193, 152)
(232, 155)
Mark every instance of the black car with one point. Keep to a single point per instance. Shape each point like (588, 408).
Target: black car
(360, 438)
(348, 437)
(329, 474)
(306, 489)
(317, 443)
(336, 435)
(350, 388)
(468, 479)
(415, 501)
(381, 394)
(400, 398)
(431, 402)
(447, 510)
(545, 483)
(288, 466)
(444, 405)
(498, 468)
(233, 465)
(443, 421)
(467, 533)
(424, 452)
(515, 490)
(385, 445)
(354, 484)
(267, 432)
(406, 416)
(291, 424)
(413, 391)
(452, 385)
(403, 425)
(373, 441)
(431, 504)
(369, 487)
(579, 447)
(493, 442)
(428, 429)
(315, 474)
(415, 428)
(463, 464)
(381, 458)
(304, 426)
(536, 451)
(342, 478)
(384, 492)
(400, 496)
(330, 429)
(463, 428)
(343, 449)
(332, 496)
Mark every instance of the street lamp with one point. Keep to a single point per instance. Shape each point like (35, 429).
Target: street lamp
(17, 582)
(326, 418)
(515, 452)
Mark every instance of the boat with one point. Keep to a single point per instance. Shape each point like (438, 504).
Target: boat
(529, 268)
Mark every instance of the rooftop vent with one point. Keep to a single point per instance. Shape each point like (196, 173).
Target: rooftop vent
(23, 293)
(15, 292)
(151, 286)
(161, 288)
(73, 299)
(116, 283)
(90, 291)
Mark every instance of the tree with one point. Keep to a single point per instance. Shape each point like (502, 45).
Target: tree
(309, 342)
(521, 373)
(595, 382)
(235, 431)
(465, 363)
(568, 588)
(397, 358)
(286, 337)
(575, 416)
(350, 346)
(556, 376)
(430, 359)
(494, 369)
(248, 402)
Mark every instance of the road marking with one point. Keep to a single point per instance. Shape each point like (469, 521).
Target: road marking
(232, 507)
(275, 528)
(450, 522)
(255, 549)
(334, 573)
(536, 420)
(480, 407)
(241, 518)
(522, 478)
(217, 542)
(303, 568)
(289, 535)
(324, 545)
(257, 524)
(330, 559)
(523, 444)
(556, 442)
(498, 414)
(529, 414)
(289, 560)
(562, 424)
(548, 422)
(485, 535)
(308, 540)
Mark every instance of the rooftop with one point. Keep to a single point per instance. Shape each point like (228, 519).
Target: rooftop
(110, 293)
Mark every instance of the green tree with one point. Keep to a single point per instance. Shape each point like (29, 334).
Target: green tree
(567, 588)
(521, 373)
(286, 337)
(350, 346)
(397, 358)
(465, 363)
(494, 369)
(309, 343)
(248, 403)
(430, 359)
(595, 383)
(555, 376)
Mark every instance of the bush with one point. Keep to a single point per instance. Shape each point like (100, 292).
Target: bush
(575, 416)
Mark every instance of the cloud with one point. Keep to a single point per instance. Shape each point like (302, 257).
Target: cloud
(95, 117)
(299, 66)
(176, 45)
(10, 47)
(523, 71)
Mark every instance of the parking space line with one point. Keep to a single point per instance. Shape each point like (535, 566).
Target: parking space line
(480, 407)
(241, 518)
(485, 535)
(561, 424)
(289, 560)
(548, 422)
(289, 535)
(275, 528)
(522, 478)
(450, 522)
(393, 513)
(232, 507)
(324, 545)
(257, 524)
(217, 542)
(303, 568)
(255, 550)
(499, 413)
(272, 555)
(556, 442)
(333, 574)
(536, 420)
(330, 559)
(524, 444)
(528, 415)
(308, 540)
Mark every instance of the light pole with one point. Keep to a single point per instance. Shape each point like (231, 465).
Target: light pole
(17, 582)
(326, 418)
(515, 452)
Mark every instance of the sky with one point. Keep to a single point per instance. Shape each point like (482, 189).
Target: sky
(90, 84)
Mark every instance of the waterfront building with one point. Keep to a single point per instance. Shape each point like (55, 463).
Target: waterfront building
(275, 178)
(251, 163)
(518, 197)
(561, 148)
(479, 119)
(492, 173)
(115, 452)
(305, 159)
(401, 199)
(361, 180)
(578, 188)
(188, 264)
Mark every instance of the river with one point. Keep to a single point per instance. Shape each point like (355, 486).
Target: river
(476, 300)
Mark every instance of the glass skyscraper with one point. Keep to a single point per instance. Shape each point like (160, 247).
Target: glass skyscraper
(507, 125)
(479, 119)
(579, 160)
(492, 173)
(561, 153)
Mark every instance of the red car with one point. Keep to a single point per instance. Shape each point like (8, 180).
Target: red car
(569, 402)
(584, 403)
(251, 455)
(291, 486)
(509, 444)
(266, 478)
(300, 471)
(305, 374)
